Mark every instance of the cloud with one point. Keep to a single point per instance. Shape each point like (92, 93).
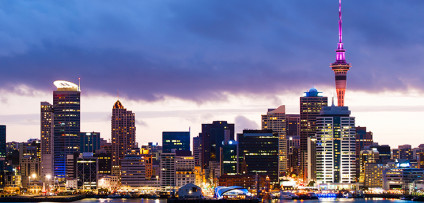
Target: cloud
(242, 123)
(200, 50)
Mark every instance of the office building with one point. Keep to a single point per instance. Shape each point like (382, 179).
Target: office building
(401, 178)
(178, 141)
(2, 141)
(366, 157)
(196, 150)
(335, 146)
(275, 120)
(66, 125)
(123, 134)
(87, 171)
(89, 142)
(310, 108)
(104, 159)
(46, 138)
(184, 170)
(363, 140)
(229, 158)
(167, 171)
(292, 125)
(211, 139)
(133, 169)
(340, 67)
(258, 153)
(405, 152)
(293, 148)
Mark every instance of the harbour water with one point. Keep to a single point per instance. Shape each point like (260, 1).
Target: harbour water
(351, 200)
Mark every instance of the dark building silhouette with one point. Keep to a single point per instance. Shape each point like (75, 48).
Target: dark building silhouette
(178, 141)
(258, 153)
(363, 140)
(211, 139)
(89, 141)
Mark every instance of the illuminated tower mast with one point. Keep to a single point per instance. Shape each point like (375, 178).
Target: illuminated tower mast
(340, 67)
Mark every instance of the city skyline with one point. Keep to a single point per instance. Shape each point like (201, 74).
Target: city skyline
(189, 104)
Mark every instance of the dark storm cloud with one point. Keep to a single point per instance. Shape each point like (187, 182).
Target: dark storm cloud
(198, 49)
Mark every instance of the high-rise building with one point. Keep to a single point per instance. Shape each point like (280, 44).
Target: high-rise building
(89, 142)
(211, 139)
(310, 108)
(366, 157)
(229, 158)
(123, 134)
(46, 138)
(196, 150)
(363, 140)
(292, 125)
(167, 171)
(405, 152)
(340, 67)
(258, 153)
(66, 125)
(87, 168)
(104, 159)
(335, 151)
(2, 141)
(133, 169)
(293, 147)
(178, 141)
(275, 120)
(184, 170)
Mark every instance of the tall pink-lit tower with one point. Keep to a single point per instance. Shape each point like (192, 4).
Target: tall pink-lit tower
(340, 67)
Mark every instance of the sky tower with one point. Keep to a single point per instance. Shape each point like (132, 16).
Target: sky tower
(340, 67)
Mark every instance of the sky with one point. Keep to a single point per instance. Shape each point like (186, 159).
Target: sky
(178, 64)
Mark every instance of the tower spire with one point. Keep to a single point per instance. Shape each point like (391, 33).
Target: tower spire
(340, 67)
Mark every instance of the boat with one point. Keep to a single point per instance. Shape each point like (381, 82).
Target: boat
(287, 195)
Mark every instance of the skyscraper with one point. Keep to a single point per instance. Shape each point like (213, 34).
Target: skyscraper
(2, 141)
(46, 118)
(363, 139)
(196, 150)
(275, 120)
(179, 141)
(211, 139)
(335, 148)
(310, 108)
(123, 134)
(340, 67)
(66, 125)
(258, 153)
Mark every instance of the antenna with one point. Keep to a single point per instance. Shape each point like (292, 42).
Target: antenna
(340, 21)
(79, 84)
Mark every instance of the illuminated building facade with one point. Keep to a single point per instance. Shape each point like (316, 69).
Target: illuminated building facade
(178, 141)
(184, 170)
(363, 140)
(401, 178)
(366, 157)
(335, 146)
(229, 158)
(46, 138)
(258, 153)
(340, 67)
(275, 120)
(310, 108)
(123, 134)
(133, 169)
(66, 125)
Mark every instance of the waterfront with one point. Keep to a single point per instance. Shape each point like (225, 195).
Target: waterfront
(351, 200)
